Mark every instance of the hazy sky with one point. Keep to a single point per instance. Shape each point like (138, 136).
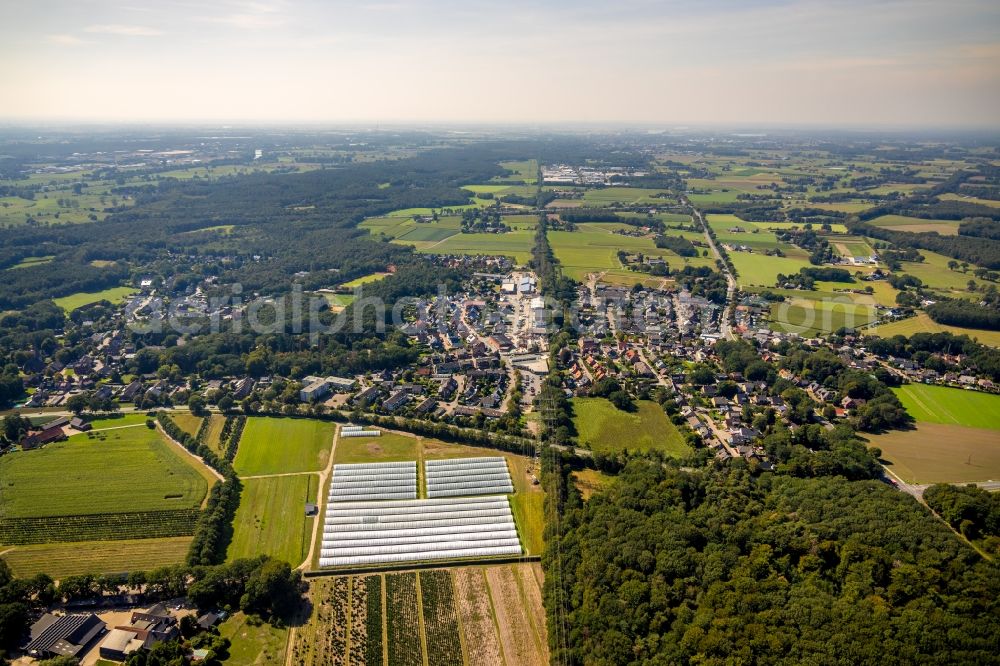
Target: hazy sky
(839, 62)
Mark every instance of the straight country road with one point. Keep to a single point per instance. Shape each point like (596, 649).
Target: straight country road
(724, 328)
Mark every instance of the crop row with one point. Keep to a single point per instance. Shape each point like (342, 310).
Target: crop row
(373, 644)
(98, 527)
(402, 623)
(437, 595)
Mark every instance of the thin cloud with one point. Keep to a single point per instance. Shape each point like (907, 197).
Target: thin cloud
(66, 40)
(248, 21)
(252, 15)
(126, 30)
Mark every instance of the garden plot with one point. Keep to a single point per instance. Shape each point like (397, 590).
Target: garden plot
(374, 481)
(460, 477)
(378, 532)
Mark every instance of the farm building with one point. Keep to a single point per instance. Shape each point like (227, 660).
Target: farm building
(50, 432)
(63, 635)
(119, 644)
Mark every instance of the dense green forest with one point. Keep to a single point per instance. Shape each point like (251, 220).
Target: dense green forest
(969, 509)
(722, 567)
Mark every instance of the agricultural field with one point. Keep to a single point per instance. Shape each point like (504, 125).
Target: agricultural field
(933, 271)
(594, 247)
(82, 557)
(954, 406)
(811, 316)
(941, 453)
(528, 499)
(922, 323)
(337, 302)
(603, 196)
(187, 422)
(444, 235)
(74, 301)
(516, 244)
(950, 196)
(607, 429)
(61, 206)
(851, 246)
(118, 421)
(281, 446)
(481, 616)
(404, 643)
(213, 433)
(526, 503)
(757, 268)
(59, 479)
(271, 518)
(32, 261)
(501, 190)
(423, 235)
(389, 447)
(442, 635)
(448, 210)
(525, 170)
(364, 279)
(916, 224)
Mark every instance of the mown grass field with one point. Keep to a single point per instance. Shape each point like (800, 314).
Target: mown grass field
(253, 643)
(85, 475)
(525, 170)
(74, 301)
(762, 270)
(943, 404)
(940, 453)
(950, 196)
(933, 271)
(82, 557)
(756, 268)
(364, 279)
(516, 244)
(389, 447)
(32, 261)
(815, 316)
(118, 421)
(916, 224)
(271, 518)
(481, 616)
(593, 247)
(922, 323)
(624, 195)
(607, 429)
(279, 446)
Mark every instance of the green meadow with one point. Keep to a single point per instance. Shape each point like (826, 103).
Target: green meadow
(607, 429)
(281, 446)
(943, 404)
(79, 300)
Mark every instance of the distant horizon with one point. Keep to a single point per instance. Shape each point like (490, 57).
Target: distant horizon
(854, 63)
(747, 130)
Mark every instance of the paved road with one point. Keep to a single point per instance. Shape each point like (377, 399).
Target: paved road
(724, 328)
